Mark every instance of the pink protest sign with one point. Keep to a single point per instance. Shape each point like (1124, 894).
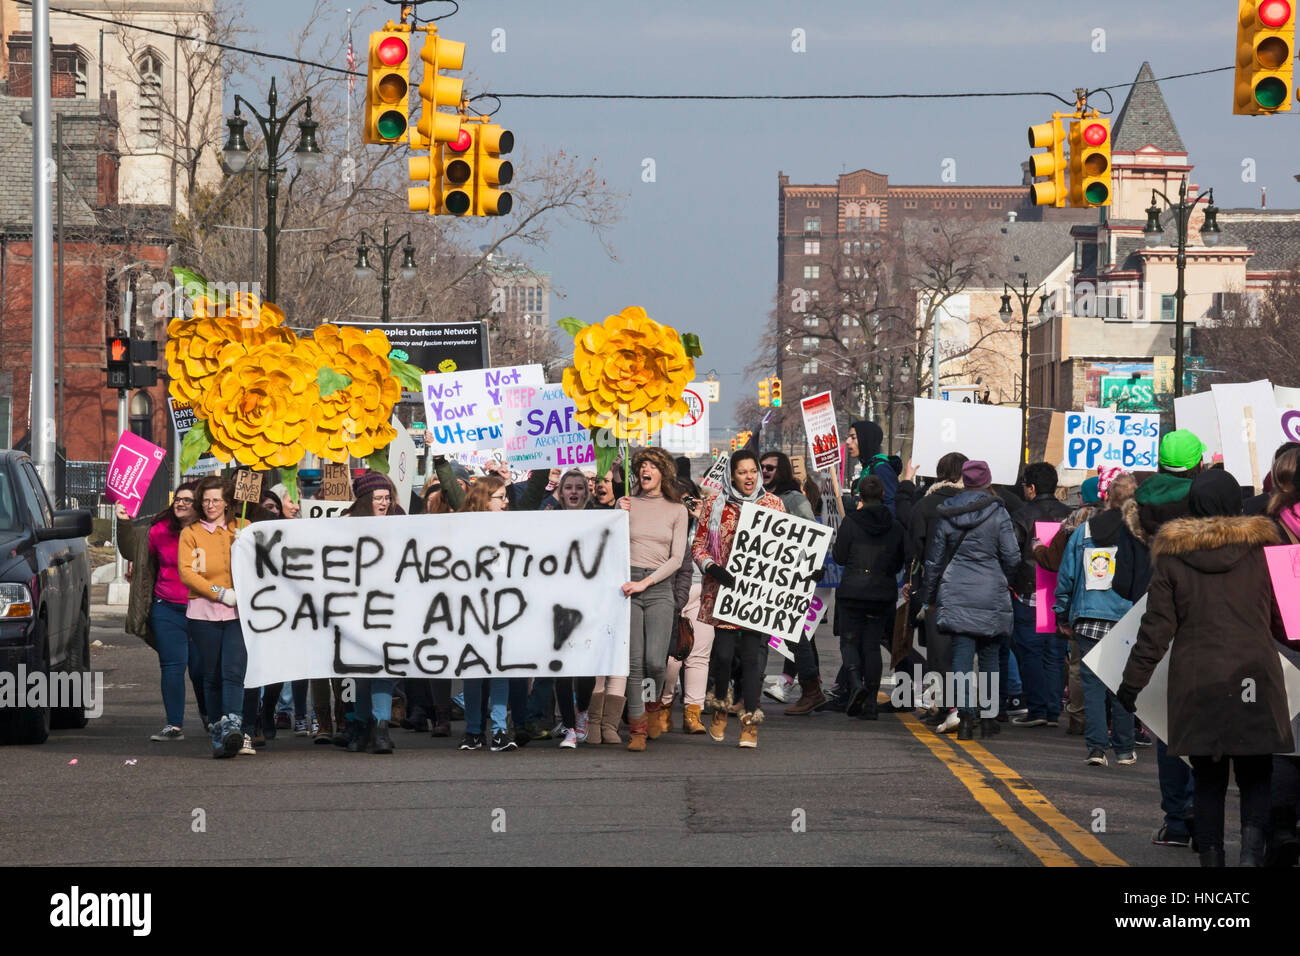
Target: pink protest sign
(1284, 569)
(131, 469)
(1045, 581)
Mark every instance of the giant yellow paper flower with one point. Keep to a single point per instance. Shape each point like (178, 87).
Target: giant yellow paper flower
(628, 375)
(195, 346)
(355, 419)
(261, 405)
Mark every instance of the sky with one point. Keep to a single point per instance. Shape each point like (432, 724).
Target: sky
(697, 246)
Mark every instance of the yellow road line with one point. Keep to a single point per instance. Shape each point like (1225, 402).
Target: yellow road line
(1041, 807)
(1038, 843)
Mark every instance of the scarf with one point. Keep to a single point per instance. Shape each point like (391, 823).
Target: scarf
(728, 494)
(1291, 518)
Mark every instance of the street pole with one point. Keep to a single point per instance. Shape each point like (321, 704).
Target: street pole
(41, 431)
(934, 361)
(1024, 381)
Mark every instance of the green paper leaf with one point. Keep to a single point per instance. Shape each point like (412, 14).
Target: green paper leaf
(290, 478)
(405, 373)
(191, 282)
(331, 381)
(605, 453)
(691, 342)
(571, 325)
(378, 462)
(197, 441)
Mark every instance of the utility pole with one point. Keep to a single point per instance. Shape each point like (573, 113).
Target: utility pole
(42, 426)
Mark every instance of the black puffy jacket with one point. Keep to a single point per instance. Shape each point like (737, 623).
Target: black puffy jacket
(1042, 508)
(870, 546)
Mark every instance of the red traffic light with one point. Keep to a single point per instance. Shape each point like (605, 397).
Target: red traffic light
(462, 142)
(392, 51)
(1274, 13)
(1094, 134)
(117, 349)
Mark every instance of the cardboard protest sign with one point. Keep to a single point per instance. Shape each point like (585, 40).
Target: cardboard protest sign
(1045, 581)
(1054, 453)
(462, 410)
(819, 426)
(1096, 437)
(542, 429)
(987, 432)
(402, 464)
(130, 471)
(712, 480)
(182, 421)
(812, 620)
(1199, 415)
(1250, 429)
(1284, 569)
(336, 481)
(320, 508)
(521, 594)
(248, 486)
(689, 435)
(772, 556)
(798, 468)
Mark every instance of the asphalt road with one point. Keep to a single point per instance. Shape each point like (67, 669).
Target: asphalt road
(819, 790)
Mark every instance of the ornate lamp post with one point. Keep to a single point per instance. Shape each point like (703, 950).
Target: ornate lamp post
(385, 249)
(1026, 297)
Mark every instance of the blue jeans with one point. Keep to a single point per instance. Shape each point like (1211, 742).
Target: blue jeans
(966, 652)
(374, 699)
(1176, 789)
(539, 702)
(1008, 669)
(172, 638)
(498, 692)
(221, 649)
(1042, 657)
(1095, 695)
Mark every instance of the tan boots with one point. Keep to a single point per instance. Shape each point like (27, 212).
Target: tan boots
(609, 720)
(691, 720)
(595, 710)
(659, 717)
(749, 728)
(637, 727)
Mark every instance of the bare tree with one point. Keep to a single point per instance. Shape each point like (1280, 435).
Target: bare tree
(1253, 337)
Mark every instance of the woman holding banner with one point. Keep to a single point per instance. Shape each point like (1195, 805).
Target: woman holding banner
(711, 550)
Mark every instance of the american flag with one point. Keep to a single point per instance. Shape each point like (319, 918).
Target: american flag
(352, 65)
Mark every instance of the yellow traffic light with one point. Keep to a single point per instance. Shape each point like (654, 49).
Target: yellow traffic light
(387, 84)
(762, 392)
(491, 171)
(1048, 166)
(437, 90)
(733, 444)
(1264, 69)
(1090, 162)
(776, 392)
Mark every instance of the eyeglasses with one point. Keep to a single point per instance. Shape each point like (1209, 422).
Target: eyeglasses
(186, 500)
(769, 467)
(499, 496)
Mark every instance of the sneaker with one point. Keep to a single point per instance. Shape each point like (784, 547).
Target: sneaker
(1164, 837)
(500, 742)
(570, 741)
(1142, 737)
(1126, 760)
(1027, 721)
(536, 731)
(581, 730)
(949, 723)
(300, 728)
(170, 732)
(523, 737)
(282, 720)
(778, 688)
(1096, 758)
(247, 750)
(472, 742)
(227, 737)
(259, 740)
(1016, 707)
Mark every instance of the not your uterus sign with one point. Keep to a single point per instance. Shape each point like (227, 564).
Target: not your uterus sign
(463, 410)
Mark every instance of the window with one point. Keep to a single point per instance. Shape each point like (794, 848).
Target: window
(996, 204)
(809, 343)
(812, 225)
(813, 203)
(851, 224)
(1168, 308)
(812, 272)
(810, 321)
(909, 203)
(850, 320)
(812, 247)
(149, 67)
(80, 68)
(34, 497)
(810, 367)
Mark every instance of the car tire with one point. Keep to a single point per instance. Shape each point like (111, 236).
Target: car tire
(74, 718)
(29, 725)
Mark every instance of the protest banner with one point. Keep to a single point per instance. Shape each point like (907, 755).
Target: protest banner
(320, 508)
(336, 481)
(798, 469)
(1284, 569)
(521, 594)
(1096, 437)
(986, 432)
(462, 410)
(248, 485)
(1045, 581)
(812, 620)
(130, 471)
(773, 556)
(713, 478)
(1198, 415)
(689, 435)
(402, 464)
(1250, 429)
(819, 426)
(542, 430)
(1288, 407)
(436, 346)
(182, 421)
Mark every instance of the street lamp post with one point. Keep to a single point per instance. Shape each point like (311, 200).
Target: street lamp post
(898, 368)
(1153, 234)
(386, 250)
(272, 126)
(1026, 297)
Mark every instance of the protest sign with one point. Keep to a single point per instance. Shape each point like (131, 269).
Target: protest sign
(772, 557)
(1096, 437)
(1198, 415)
(182, 421)
(1288, 407)
(491, 460)
(130, 471)
(462, 410)
(522, 594)
(543, 431)
(1045, 581)
(713, 478)
(689, 435)
(819, 426)
(336, 482)
(798, 469)
(436, 346)
(401, 464)
(986, 432)
(1250, 429)
(1284, 569)
(812, 620)
(248, 485)
(320, 508)
(1054, 453)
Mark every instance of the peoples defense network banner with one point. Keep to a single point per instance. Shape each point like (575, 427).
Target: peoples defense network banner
(509, 594)
(1096, 437)
(436, 346)
(543, 431)
(773, 556)
(463, 410)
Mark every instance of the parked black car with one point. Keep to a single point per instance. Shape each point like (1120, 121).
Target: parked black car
(44, 596)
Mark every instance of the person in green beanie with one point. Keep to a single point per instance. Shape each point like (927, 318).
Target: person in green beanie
(1163, 496)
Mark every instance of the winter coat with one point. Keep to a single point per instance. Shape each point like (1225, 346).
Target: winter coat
(1050, 555)
(1133, 560)
(133, 544)
(1042, 508)
(870, 546)
(971, 593)
(726, 532)
(1211, 595)
(797, 504)
(1161, 498)
(1073, 598)
(925, 517)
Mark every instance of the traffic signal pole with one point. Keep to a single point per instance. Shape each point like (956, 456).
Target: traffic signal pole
(42, 425)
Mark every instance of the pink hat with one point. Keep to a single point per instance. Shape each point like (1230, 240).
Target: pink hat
(1105, 475)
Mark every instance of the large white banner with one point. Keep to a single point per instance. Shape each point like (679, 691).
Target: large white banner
(772, 556)
(1248, 420)
(985, 432)
(462, 410)
(510, 594)
(689, 435)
